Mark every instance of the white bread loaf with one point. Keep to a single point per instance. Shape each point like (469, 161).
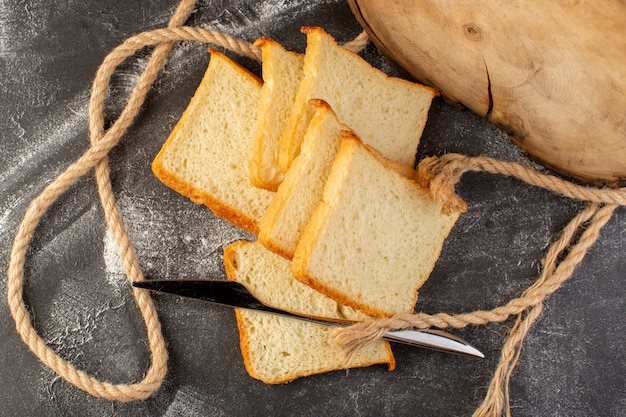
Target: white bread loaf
(368, 101)
(206, 156)
(301, 191)
(375, 237)
(279, 349)
(282, 73)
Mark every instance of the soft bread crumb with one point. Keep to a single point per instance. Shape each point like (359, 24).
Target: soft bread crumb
(301, 191)
(207, 154)
(282, 74)
(278, 349)
(375, 237)
(388, 110)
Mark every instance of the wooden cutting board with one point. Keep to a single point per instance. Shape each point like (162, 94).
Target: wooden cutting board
(552, 74)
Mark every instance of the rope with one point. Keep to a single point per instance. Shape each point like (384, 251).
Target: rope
(359, 43)
(96, 157)
(440, 174)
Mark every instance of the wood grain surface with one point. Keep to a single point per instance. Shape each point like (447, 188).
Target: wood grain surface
(551, 74)
(573, 363)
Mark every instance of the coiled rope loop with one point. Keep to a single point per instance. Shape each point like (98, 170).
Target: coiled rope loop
(96, 157)
(440, 174)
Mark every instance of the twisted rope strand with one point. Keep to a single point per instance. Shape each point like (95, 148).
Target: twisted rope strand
(498, 394)
(440, 174)
(534, 295)
(96, 157)
(359, 43)
(158, 361)
(112, 216)
(527, 308)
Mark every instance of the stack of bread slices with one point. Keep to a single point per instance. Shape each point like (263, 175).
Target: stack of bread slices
(317, 161)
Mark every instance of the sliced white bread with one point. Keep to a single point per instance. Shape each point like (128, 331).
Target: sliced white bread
(206, 156)
(375, 237)
(301, 191)
(282, 74)
(374, 105)
(279, 349)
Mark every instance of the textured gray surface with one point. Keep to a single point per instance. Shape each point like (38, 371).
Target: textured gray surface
(573, 361)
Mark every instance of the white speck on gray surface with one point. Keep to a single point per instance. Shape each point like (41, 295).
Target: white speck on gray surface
(572, 362)
(114, 270)
(72, 322)
(150, 228)
(244, 18)
(50, 134)
(188, 402)
(43, 142)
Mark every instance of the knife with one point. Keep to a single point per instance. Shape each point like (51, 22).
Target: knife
(234, 294)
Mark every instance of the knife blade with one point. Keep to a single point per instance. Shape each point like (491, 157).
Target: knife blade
(234, 294)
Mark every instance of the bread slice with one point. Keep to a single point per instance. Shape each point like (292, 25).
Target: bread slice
(206, 156)
(368, 101)
(282, 74)
(375, 237)
(279, 349)
(301, 191)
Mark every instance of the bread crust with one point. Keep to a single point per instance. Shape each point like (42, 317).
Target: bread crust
(275, 209)
(403, 170)
(217, 54)
(311, 236)
(244, 337)
(264, 171)
(319, 31)
(248, 362)
(218, 207)
(289, 147)
(270, 244)
(257, 177)
(230, 265)
(292, 135)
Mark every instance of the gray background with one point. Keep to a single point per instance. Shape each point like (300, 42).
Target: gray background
(573, 360)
